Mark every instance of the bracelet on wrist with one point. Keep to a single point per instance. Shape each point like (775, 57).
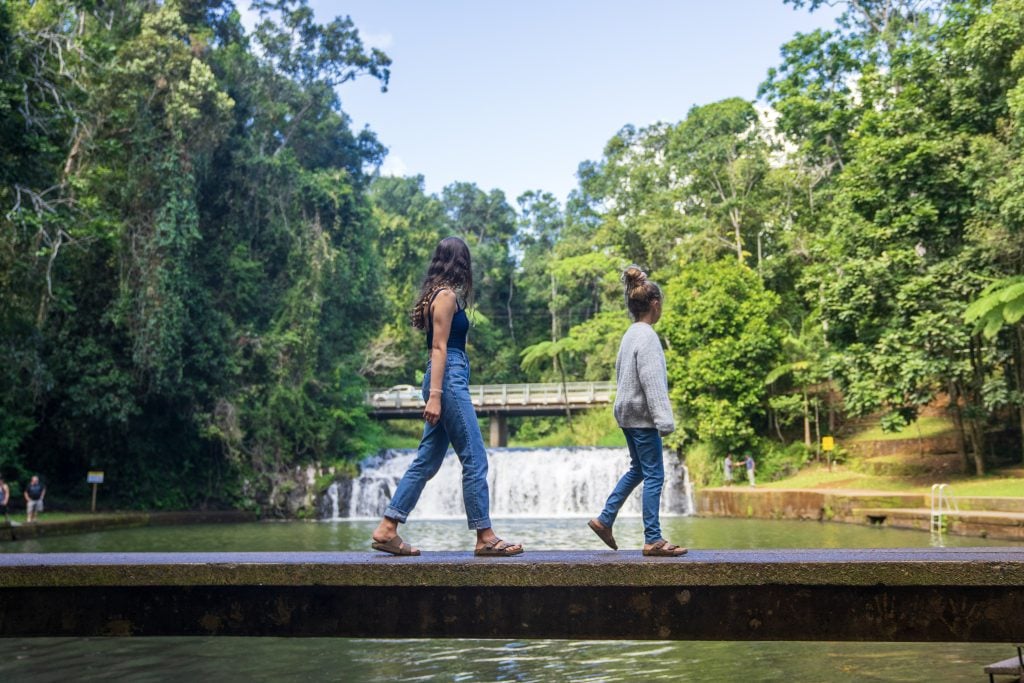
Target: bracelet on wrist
(437, 391)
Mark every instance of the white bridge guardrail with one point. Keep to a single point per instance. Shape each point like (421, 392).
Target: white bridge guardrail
(484, 396)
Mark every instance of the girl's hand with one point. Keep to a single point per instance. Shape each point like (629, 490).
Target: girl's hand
(432, 413)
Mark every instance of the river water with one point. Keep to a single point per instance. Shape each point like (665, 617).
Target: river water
(320, 659)
(539, 498)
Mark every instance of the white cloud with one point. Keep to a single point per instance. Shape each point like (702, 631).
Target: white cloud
(394, 166)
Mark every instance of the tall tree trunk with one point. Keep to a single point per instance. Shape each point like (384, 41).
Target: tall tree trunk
(807, 422)
(977, 422)
(817, 431)
(958, 421)
(552, 309)
(978, 444)
(1018, 363)
(508, 307)
(739, 242)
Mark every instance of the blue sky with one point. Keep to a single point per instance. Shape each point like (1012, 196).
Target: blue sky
(515, 96)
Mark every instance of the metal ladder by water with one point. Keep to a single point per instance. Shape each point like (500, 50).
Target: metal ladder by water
(943, 503)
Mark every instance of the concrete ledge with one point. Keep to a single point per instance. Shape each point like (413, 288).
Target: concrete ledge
(973, 595)
(104, 521)
(839, 505)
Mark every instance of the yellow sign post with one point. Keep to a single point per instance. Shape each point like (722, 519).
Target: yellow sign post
(828, 444)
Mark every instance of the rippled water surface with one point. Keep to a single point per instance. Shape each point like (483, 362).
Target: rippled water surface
(264, 659)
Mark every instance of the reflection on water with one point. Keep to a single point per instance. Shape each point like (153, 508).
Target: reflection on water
(324, 659)
(318, 659)
(536, 534)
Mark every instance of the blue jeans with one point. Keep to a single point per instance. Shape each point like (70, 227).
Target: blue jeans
(458, 426)
(646, 465)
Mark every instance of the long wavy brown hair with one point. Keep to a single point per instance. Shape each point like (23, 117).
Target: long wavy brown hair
(450, 268)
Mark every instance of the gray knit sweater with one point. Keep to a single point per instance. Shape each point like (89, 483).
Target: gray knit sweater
(641, 398)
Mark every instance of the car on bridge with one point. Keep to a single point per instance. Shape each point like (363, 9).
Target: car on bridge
(398, 394)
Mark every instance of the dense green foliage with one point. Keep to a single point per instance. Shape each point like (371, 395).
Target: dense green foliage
(200, 272)
(188, 246)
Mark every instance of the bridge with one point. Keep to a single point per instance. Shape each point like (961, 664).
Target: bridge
(497, 402)
(885, 595)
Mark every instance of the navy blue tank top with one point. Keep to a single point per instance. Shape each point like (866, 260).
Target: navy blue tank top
(458, 332)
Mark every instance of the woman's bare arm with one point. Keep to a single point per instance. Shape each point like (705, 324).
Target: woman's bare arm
(442, 311)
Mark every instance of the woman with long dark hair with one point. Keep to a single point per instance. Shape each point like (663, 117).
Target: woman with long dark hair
(644, 412)
(449, 414)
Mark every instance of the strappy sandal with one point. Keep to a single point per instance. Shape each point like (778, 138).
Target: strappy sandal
(604, 533)
(395, 546)
(495, 549)
(663, 548)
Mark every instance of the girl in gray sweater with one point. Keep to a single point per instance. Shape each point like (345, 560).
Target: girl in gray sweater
(644, 413)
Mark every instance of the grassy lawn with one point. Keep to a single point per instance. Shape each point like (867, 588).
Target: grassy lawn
(922, 428)
(1000, 483)
(819, 476)
(46, 517)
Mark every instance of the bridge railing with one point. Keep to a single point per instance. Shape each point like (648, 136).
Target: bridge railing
(502, 395)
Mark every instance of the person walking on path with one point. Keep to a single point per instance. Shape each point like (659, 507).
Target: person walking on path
(449, 414)
(644, 413)
(5, 498)
(728, 465)
(748, 462)
(35, 492)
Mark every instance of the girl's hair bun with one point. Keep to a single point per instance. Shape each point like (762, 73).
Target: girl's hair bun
(633, 277)
(640, 292)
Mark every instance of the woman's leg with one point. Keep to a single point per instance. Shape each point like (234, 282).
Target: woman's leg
(463, 429)
(429, 458)
(459, 418)
(648, 446)
(627, 483)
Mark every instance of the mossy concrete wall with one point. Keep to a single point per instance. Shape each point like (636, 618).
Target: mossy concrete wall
(910, 510)
(974, 595)
(105, 521)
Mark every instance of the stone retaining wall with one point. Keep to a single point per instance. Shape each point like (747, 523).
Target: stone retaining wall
(846, 506)
(105, 521)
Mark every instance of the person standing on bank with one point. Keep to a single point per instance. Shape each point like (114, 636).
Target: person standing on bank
(35, 492)
(449, 414)
(5, 498)
(644, 413)
(748, 462)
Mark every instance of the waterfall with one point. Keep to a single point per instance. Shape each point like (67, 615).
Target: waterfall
(523, 482)
(332, 495)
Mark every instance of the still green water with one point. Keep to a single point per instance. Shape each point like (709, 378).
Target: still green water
(252, 659)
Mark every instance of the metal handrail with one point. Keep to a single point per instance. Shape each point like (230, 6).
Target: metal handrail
(942, 503)
(500, 395)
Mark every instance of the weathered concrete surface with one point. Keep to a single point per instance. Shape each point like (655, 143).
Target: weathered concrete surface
(121, 520)
(848, 505)
(885, 595)
(1005, 525)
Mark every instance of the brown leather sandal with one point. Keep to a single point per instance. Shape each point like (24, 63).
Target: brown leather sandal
(395, 546)
(663, 548)
(495, 548)
(604, 533)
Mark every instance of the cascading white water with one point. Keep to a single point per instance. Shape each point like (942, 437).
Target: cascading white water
(332, 495)
(553, 482)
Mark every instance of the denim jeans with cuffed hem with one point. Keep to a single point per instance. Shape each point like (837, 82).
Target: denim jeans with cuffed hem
(458, 426)
(646, 464)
